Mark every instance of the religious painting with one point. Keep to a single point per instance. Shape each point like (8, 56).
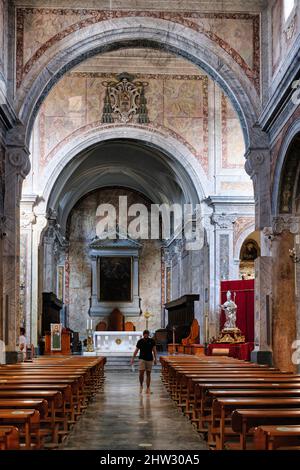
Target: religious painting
(60, 282)
(249, 251)
(115, 279)
(56, 329)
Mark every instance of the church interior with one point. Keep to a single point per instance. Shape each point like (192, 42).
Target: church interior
(150, 179)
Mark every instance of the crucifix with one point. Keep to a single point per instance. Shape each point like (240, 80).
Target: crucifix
(147, 315)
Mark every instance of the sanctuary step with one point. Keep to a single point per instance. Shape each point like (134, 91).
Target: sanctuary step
(122, 363)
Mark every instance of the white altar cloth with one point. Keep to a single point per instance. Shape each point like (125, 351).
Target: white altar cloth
(116, 343)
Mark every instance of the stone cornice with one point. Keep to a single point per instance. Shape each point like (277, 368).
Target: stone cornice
(229, 200)
(188, 5)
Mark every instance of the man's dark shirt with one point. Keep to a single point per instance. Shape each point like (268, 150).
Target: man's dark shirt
(145, 346)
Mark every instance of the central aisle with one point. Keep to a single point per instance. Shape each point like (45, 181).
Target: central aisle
(120, 418)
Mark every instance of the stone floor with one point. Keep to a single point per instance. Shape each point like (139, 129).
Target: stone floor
(120, 418)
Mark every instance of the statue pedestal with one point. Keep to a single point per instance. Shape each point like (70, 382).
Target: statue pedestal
(231, 335)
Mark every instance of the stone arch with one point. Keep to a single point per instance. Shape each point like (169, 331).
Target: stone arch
(167, 144)
(239, 243)
(195, 46)
(287, 167)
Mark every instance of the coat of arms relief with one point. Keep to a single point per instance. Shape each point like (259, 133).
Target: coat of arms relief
(125, 100)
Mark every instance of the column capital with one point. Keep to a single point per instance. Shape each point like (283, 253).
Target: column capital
(223, 221)
(27, 219)
(255, 158)
(18, 157)
(285, 222)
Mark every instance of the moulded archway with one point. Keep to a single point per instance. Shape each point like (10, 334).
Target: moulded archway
(195, 46)
(179, 156)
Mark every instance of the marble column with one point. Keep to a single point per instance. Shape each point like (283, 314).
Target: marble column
(262, 352)
(284, 270)
(36, 277)
(166, 283)
(32, 225)
(27, 221)
(17, 165)
(258, 168)
(49, 284)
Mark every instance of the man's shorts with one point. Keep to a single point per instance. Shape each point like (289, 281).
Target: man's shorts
(145, 365)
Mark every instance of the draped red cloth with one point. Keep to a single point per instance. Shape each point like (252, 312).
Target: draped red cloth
(245, 305)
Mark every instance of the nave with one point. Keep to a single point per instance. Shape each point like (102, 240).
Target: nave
(120, 418)
(74, 404)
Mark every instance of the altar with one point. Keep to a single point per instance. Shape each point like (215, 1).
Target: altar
(116, 343)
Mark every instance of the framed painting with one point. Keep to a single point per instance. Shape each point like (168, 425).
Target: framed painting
(115, 278)
(56, 329)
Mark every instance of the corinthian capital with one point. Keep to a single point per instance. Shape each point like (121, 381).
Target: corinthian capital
(224, 221)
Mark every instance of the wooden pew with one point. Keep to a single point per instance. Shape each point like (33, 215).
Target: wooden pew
(66, 383)
(9, 438)
(222, 408)
(243, 420)
(183, 386)
(277, 438)
(205, 392)
(29, 420)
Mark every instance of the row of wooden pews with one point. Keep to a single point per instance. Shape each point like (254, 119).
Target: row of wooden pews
(40, 401)
(236, 404)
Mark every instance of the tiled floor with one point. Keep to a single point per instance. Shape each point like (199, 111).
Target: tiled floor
(121, 418)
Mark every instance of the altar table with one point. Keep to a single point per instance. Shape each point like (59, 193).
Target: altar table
(116, 343)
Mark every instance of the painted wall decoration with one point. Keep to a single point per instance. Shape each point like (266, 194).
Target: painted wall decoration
(39, 29)
(177, 105)
(233, 147)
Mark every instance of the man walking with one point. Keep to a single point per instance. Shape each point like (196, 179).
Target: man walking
(146, 346)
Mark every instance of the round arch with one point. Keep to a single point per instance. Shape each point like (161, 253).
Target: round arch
(177, 152)
(126, 32)
(281, 161)
(243, 236)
